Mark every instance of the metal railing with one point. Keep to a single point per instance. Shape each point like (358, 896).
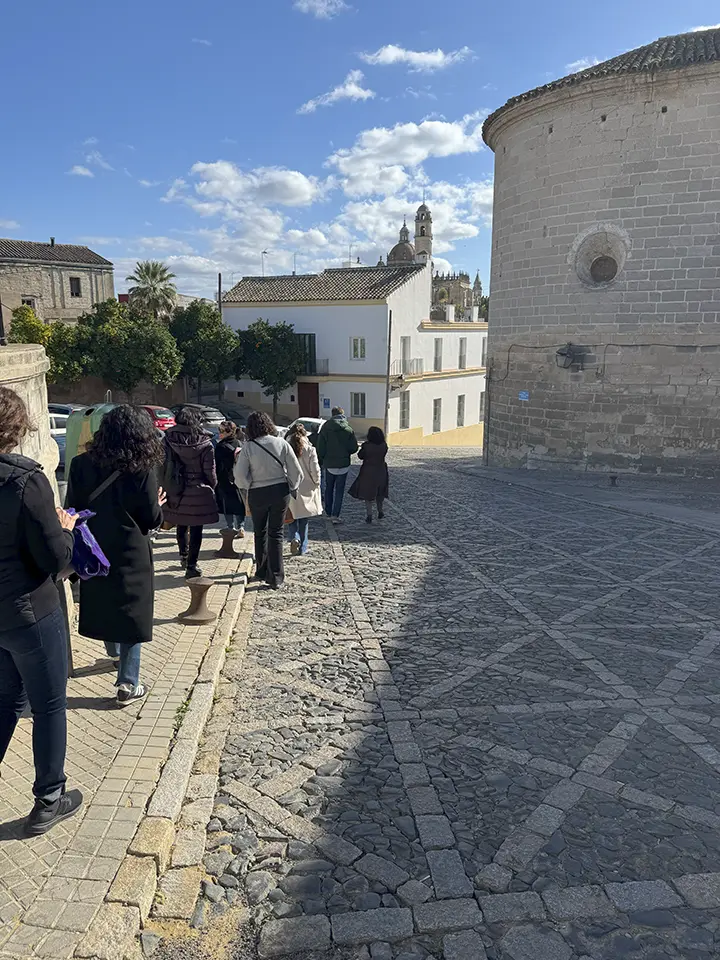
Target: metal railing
(407, 368)
(316, 368)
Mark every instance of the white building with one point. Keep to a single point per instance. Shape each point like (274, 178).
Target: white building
(372, 348)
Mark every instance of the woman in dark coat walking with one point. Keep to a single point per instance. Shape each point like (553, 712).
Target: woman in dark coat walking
(121, 460)
(373, 481)
(229, 501)
(193, 505)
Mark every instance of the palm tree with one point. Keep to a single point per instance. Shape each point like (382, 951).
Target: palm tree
(153, 289)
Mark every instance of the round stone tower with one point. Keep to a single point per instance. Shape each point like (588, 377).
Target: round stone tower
(605, 285)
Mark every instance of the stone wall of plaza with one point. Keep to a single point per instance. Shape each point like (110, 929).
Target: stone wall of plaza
(22, 369)
(622, 170)
(48, 286)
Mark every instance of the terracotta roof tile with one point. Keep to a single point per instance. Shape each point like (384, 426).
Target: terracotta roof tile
(45, 253)
(357, 283)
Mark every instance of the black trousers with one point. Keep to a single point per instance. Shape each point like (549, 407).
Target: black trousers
(192, 552)
(267, 509)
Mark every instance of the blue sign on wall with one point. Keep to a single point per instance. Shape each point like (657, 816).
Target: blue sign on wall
(524, 395)
(326, 403)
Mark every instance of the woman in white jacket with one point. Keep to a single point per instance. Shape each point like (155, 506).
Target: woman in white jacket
(309, 502)
(267, 473)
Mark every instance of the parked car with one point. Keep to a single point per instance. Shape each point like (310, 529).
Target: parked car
(65, 408)
(60, 441)
(311, 424)
(58, 424)
(212, 430)
(207, 414)
(162, 418)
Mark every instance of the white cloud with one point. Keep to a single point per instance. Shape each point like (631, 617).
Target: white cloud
(164, 245)
(224, 183)
(322, 9)
(313, 238)
(419, 61)
(149, 183)
(100, 241)
(90, 142)
(377, 161)
(582, 64)
(418, 93)
(96, 159)
(713, 26)
(350, 89)
(80, 171)
(203, 43)
(9, 224)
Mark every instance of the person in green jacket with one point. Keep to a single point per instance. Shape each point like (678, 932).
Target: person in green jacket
(336, 443)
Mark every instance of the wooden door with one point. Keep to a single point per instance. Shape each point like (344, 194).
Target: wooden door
(309, 399)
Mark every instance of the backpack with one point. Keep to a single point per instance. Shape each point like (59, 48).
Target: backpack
(173, 476)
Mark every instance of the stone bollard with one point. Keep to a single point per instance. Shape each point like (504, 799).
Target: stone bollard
(198, 611)
(226, 551)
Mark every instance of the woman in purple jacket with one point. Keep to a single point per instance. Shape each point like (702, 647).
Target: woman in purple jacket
(193, 505)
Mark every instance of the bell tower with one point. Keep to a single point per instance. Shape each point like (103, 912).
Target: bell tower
(423, 234)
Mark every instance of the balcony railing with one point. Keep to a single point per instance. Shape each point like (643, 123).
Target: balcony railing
(316, 368)
(407, 368)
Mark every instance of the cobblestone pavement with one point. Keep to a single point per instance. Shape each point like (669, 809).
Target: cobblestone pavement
(52, 886)
(487, 726)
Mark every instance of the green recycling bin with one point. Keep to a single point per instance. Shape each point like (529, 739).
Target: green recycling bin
(80, 427)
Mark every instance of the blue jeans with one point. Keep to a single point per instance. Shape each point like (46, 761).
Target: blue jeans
(33, 667)
(299, 530)
(235, 521)
(129, 654)
(334, 492)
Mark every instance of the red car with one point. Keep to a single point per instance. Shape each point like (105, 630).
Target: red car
(162, 418)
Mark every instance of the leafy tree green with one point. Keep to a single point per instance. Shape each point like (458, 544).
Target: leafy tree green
(208, 346)
(27, 327)
(484, 307)
(129, 349)
(272, 354)
(69, 350)
(153, 290)
(107, 311)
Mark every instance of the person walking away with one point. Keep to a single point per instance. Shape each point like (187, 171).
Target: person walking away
(116, 478)
(189, 450)
(308, 503)
(371, 484)
(335, 445)
(229, 501)
(268, 470)
(36, 545)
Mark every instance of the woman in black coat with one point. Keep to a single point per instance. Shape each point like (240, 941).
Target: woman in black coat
(118, 609)
(229, 501)
(372, 482)
(35, 546)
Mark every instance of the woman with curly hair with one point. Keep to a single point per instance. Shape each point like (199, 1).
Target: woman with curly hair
(120, 463)
(35, 546)
(269, 471)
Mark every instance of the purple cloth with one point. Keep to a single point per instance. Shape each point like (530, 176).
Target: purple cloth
(88, 560)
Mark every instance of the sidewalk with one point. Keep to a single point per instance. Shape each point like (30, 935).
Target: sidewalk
(52, 886)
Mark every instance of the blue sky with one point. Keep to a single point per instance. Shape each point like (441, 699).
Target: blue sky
(202, 134)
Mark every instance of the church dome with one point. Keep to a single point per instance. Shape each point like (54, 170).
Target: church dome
(403, 252)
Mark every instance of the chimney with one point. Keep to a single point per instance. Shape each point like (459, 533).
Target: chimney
(52, 241)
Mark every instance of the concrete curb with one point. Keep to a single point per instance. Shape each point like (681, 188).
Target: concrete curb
(136, 892)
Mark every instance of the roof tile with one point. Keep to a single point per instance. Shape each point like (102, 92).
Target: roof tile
(357, 283)
(45, 253)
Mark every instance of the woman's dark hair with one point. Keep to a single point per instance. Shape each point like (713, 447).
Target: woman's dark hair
(126, 440)
(14, 421)
(296, 438)
(375, 435)
(186, 417)
(259, 425)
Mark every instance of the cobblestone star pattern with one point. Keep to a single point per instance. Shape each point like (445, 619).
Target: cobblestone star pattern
(488, 726)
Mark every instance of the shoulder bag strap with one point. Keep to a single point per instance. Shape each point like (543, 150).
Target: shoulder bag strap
(103, 486)
(270, 454)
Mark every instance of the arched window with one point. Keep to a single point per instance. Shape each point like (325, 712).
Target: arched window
(422, 231)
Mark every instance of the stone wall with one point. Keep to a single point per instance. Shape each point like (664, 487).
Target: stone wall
(626, 168)
(92, 390)
(22, 369)
(49, 286)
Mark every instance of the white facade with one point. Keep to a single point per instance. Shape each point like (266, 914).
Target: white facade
(351, 349)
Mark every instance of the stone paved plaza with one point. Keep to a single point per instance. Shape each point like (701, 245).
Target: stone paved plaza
(488, 726)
